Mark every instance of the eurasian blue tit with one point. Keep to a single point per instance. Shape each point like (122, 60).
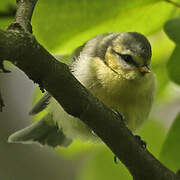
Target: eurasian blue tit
(115, 67)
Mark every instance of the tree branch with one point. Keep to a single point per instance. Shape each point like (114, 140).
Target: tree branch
(24, 13)
(21, 48)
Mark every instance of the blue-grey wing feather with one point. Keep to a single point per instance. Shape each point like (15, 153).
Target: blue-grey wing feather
(42, 132)
(41, 104)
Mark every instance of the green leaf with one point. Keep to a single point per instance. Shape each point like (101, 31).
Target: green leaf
(162, 48)
(170, 153)
(172, 28)
(174, 64)
(78, 149)
(154, 140)
(63, 25)
(101, 164)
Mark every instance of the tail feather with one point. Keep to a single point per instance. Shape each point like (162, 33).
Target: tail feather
(41, 132)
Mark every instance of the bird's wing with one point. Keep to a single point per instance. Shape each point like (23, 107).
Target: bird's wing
(43, 132)
(41, 104)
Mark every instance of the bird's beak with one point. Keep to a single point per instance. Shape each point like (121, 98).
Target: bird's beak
(144, 69)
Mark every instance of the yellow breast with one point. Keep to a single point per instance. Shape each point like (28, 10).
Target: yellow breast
(126, 92)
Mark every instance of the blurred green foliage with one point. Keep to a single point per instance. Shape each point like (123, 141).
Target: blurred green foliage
(5, 6)
(171, 28)
(174, 64)
(102, 166)
(170, 152)
(63, 25)
(79, 20)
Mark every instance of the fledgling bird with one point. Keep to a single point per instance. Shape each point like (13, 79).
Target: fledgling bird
(115, 67)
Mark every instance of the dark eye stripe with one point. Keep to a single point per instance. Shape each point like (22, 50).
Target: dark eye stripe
(126, 57)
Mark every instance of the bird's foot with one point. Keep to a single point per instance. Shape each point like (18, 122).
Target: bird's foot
(142, 143)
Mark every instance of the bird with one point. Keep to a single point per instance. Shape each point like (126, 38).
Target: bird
(115, 67)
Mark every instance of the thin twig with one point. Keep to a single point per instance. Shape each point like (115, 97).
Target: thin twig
(24, 13)
(173, 3)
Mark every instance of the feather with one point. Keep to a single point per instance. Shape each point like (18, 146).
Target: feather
(42, 132)
(41, 104)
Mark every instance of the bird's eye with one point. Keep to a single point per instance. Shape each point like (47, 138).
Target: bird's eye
(126, 57)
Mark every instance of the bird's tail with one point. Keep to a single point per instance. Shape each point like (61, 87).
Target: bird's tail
(42, 132)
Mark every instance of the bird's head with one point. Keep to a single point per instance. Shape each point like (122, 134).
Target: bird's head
(129, 52)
